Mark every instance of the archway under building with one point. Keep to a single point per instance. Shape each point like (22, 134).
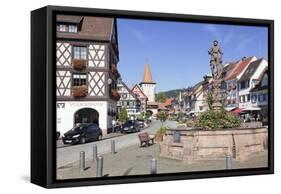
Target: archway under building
(86, 115)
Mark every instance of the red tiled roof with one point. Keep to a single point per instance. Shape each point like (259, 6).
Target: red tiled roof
(238, 68)
(168, 102)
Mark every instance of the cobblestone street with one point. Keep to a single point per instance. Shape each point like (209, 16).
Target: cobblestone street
(134, 160)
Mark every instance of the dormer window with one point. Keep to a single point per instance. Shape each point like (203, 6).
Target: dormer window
(67, 28)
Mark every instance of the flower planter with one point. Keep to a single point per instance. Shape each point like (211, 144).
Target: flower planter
(159, 137)
(79, 91)
(79, 64)
(115, 95)
(113, 69)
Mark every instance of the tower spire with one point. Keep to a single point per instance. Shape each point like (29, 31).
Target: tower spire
(147, 77)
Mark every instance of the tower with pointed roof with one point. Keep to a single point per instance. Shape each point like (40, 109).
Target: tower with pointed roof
(148, 85)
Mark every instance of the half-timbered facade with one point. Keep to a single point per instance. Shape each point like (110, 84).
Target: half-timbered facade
(128, 100)
(141, 96)
(86, 62)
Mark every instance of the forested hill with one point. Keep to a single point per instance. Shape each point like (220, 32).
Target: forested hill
(171, 93)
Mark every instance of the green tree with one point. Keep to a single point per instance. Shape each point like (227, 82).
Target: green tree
(210, 100)
(162, 116)
(217, 119)
(123, 115)
(181, 116)
(140, 116)
(160, 97)
(147, 114)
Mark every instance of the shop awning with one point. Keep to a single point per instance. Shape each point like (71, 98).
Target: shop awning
(252, 109)
(229, 108)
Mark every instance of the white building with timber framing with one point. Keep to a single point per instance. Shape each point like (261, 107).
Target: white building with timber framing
(86, 76)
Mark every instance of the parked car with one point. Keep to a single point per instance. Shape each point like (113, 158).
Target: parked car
(83, 133)
(130, 126)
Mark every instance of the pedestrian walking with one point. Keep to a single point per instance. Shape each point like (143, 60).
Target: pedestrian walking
(113, 125)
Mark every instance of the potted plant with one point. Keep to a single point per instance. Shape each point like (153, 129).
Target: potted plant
(79, 91)
(79, 64)
(115, 95)
(162, 116)
(113, 69)
(160, 133)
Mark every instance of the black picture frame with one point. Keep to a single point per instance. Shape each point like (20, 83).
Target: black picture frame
(43, 96)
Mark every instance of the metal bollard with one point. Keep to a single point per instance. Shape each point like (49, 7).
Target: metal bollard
(113, 146)
(82, 161)
(95, 152)
(100, 166)
(153, 169)
(228, 161)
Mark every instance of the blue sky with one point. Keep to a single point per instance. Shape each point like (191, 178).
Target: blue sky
(177, 51)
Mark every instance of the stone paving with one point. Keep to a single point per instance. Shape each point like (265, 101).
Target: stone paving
(68, 154)
(134, 160)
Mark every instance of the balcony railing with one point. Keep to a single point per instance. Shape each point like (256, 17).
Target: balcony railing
(79, 64)
(79, 91)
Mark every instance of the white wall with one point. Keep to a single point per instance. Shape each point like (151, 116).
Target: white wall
(65, 115)
(15, 151)
(246, 91)
(199, 102)
(149, 91)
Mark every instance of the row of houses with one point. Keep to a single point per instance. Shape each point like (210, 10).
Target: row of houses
(245, 85)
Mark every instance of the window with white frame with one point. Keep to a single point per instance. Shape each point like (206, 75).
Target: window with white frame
(248, 97)
(67, 28)
(79, 79)
(79, 52)
(72, 28)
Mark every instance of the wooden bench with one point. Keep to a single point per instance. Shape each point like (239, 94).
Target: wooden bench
(145, 139)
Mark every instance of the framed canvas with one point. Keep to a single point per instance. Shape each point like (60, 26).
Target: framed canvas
(126, 96)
